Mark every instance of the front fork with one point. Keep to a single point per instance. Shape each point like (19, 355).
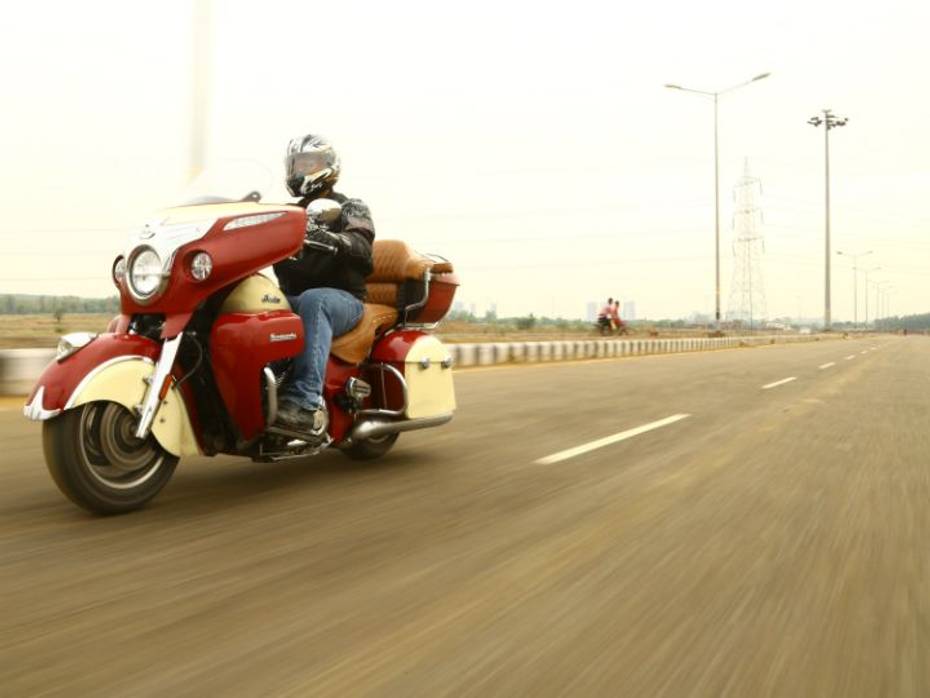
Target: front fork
(159, 386)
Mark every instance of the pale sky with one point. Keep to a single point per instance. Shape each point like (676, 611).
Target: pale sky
(533, 144)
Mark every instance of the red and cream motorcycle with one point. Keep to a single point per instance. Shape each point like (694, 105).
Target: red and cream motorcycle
(193, 363)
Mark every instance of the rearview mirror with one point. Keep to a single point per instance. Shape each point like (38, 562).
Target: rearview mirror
(324, 211)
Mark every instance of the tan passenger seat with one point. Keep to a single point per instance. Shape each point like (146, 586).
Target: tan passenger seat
(395, 262)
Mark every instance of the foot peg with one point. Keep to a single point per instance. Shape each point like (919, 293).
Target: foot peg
(306, 437)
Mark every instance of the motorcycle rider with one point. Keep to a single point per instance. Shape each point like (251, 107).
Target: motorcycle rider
(326, 288)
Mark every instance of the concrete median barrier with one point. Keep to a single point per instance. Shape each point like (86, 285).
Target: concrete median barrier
(19, 368)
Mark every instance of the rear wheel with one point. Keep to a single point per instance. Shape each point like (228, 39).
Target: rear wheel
(369, 449)
(99, 464)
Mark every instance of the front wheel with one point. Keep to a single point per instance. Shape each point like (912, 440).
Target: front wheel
(99, 464)
(369, 449)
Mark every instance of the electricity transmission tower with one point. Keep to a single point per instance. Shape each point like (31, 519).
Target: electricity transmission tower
(747, 292)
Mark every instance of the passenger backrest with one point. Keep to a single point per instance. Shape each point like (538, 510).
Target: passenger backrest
(396, 263)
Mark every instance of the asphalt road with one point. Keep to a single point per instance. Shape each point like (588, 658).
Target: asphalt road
(773, 542)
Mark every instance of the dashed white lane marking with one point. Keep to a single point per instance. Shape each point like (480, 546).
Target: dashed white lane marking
(850, 357)
(827, 365)
(781, 382)
(608, 440)
(864, 351)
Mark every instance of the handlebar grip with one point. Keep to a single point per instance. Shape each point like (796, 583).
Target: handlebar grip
(313, 244)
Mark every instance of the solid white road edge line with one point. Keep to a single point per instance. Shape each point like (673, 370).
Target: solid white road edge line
(850, 357)
(608, 440)
(827, 365)
(781, 382)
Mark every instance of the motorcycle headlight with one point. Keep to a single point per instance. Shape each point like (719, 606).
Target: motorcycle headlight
(145, 273)
(201, 266)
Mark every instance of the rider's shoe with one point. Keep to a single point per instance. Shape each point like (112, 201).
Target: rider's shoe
(294, 418)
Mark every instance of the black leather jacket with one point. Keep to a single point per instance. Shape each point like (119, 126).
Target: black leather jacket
(346, 270)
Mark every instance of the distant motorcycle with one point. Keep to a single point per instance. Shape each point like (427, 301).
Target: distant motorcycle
(193, 363)
(605, 328)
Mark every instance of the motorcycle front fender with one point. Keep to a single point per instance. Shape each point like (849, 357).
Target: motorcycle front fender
(114, 368)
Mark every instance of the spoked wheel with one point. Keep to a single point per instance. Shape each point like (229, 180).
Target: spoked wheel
(372, 448)
(99, 464)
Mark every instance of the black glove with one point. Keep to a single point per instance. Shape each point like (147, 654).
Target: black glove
(319, 238)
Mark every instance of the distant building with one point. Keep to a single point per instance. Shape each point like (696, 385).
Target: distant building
(629, 310)
(458, 307)
(473, 310)
(699, 318)
(591, 315)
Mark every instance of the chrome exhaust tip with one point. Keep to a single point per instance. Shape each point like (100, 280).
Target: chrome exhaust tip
(373, 428)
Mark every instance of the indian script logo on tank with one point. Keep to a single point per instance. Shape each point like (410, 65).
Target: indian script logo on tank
(268, 298)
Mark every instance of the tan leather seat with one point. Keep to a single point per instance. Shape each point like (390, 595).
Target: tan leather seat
(382, 293)
(395, 263)
(354, 346)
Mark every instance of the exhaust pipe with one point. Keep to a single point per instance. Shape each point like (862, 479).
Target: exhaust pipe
(372, 428)
(271, 384)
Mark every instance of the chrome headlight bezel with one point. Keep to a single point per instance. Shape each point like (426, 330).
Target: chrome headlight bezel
(140, 296)
(118, 270)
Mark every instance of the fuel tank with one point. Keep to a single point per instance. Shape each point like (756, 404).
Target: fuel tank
(255, 294)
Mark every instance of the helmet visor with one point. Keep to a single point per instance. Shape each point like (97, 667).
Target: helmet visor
(305, 164)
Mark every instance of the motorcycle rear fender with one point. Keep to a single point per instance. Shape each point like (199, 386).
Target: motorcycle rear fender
(113, 367)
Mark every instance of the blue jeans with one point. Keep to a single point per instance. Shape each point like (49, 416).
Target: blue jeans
(326, 313)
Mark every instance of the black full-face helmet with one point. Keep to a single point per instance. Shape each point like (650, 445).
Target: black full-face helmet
(311, 165)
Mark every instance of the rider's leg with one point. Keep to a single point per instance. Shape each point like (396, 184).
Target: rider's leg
(326, 313)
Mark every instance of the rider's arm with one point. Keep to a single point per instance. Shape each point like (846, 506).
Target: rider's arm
(358, 228)
(353, 242)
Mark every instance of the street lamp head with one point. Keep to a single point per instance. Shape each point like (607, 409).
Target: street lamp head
(815, 121)
(673, 87)
(760, 77)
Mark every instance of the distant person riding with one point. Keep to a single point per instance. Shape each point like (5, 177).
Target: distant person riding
(325, 288)
(603, 317)
(615, 322)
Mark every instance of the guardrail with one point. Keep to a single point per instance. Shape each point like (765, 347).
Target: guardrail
(19, 368)
(488, 354)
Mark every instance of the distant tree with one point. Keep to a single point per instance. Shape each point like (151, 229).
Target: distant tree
(526, 323)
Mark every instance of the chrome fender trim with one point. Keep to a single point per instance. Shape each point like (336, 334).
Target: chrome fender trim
(35, 411)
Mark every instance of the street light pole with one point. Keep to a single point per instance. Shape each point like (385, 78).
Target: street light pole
(829, 121)
(716, 96)
(879, 289)
(855, 282)
(867, 272)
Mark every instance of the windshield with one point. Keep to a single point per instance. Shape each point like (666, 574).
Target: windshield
(228, 181)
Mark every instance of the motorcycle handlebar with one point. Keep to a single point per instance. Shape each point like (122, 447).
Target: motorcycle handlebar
(313, 244)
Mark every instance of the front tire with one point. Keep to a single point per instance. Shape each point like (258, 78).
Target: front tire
(98, 464)
(369, 449)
